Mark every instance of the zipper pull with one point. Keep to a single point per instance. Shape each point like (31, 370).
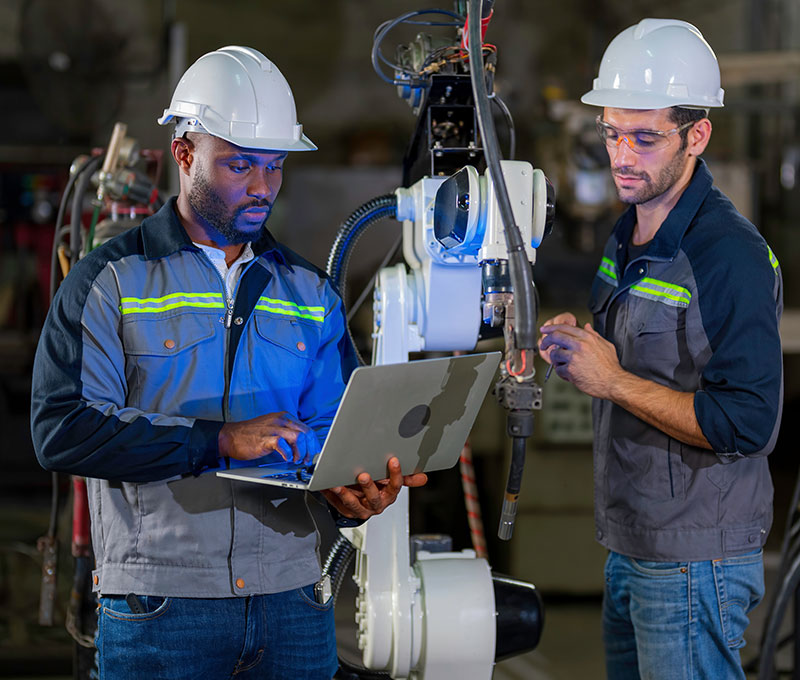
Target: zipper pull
(229, 313)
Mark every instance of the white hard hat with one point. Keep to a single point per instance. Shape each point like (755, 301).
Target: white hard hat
(656, 64)
(236, 93)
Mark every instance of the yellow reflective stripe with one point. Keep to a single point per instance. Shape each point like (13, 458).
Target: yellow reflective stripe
(773, 260)
(293, 312)
(174, 305)
(289, 308)
(672, 288)
(172, 296)
(669, 291)
(657, 293)
(133, 305)
(289, 303)
(608, 270)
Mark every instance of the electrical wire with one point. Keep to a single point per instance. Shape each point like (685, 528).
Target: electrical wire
(769, 642)
(348, 235)
(88, 165)
(512, 132)
(62, 209)
(81, 185)
(382, 30)
(369, 287)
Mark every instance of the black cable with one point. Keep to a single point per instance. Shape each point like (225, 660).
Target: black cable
(369, 287)
(81, 184)
(350, 231)
(769, 642)
(790, 548)
(55, 495)
(336, 564)
(512, 131)
(339, 558)
(525, 329)
(62, 209)
(386, 26)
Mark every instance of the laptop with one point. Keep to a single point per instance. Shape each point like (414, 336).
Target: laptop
(420, 411)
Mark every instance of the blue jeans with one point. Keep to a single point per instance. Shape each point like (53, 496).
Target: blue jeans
(678, 620)
(274, 637)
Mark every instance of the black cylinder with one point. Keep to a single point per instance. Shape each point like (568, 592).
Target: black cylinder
(520, 616)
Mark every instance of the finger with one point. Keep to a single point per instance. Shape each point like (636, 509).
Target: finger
(550, 342)
(395, 475)
(372, 495)
(312, 447)
(415, 480)
(288, 421)
(337, 498)
(284, 449)
(564, 340)
(568, 318)
(590, 330)
(563, 328)
(350, 504)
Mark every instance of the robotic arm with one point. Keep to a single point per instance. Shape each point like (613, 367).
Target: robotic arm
(440, 617)
(445, 614)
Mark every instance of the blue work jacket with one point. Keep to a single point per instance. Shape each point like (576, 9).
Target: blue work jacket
(140, 361)
(698, 312)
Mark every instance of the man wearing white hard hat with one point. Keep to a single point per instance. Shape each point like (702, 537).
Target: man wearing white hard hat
(684, 363)
(189, 344)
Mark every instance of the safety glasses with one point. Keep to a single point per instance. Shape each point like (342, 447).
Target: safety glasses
(639, 141)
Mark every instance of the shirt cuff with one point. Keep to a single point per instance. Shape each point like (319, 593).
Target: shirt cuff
(204, 445)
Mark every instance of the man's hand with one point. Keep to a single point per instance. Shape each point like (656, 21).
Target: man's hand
(278, 432)
(581, 356)
(368, 498)
(564, 318)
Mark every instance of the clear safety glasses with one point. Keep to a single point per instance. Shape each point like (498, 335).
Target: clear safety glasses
(640, 141)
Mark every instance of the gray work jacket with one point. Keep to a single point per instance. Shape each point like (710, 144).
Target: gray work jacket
(697, 312)
(141, 360)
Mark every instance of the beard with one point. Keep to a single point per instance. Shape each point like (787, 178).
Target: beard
(652, 187)
(207, 203)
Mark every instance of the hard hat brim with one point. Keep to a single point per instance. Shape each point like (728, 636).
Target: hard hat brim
(622, 99)
(262, 144)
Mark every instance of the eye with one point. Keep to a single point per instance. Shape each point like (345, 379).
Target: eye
(239, 167)
(647, 140)
(274, 167)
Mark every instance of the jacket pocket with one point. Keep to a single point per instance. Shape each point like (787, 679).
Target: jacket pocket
(184, 522)
(299, 338)
(659, 348)
(167, 361)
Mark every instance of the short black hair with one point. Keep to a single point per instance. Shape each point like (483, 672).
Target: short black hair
(680, 115)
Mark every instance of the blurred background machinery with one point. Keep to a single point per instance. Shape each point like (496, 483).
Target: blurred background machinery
(70, 70)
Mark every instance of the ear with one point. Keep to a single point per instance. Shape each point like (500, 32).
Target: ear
(699, 136)
(183, 152)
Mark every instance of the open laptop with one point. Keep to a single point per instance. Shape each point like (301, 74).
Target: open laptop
(420, 411)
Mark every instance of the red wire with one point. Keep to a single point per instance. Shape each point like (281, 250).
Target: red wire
(522, 370)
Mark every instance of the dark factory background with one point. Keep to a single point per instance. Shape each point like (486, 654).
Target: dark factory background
(70, 70)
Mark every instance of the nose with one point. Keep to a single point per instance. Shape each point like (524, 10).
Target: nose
(623, 155)
(264, 184)
(258, 187)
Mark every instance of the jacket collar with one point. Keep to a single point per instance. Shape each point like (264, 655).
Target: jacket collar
(163, 235)
(667, 241)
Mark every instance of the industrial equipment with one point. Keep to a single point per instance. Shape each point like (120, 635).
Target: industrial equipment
(120, 183)
(469, 240)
